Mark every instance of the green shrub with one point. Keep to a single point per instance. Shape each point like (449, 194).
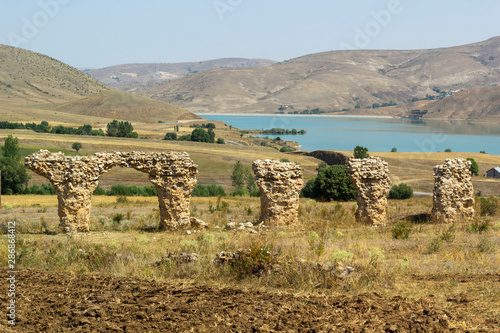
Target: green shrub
(242, 192)
(486, 245)
(210, 190)
(401, 191)
(170, 136)
(478, 226)
(221, 141)
(286, 149)
(489, 206)
(401, 230)
(435, 245)
(342, 256)
(333, 183)
(285, 160)
(361, 152)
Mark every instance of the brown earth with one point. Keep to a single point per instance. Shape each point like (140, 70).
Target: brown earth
(62, 302)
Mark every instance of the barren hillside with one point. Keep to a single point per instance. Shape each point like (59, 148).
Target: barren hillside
(336, 80)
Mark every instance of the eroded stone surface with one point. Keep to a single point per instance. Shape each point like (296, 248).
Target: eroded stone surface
(75, 179)
(453, 191)
(280, 184)
(370, 177)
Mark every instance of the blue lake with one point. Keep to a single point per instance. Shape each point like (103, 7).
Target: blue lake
(377, 134)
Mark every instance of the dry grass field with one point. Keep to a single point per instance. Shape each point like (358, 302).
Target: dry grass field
(454, 267)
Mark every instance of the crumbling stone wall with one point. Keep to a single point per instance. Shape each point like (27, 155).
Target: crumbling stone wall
(75, 179)
(453, 191)
(370, 177)
(280, 184)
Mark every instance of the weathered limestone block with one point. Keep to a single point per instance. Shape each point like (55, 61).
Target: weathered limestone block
(453, 191)
(370, 177)
(280, 184)
(74, 179)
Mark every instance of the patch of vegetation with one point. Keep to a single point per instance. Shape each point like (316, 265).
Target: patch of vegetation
(332, 183)
(401, 192)
(402, 230)
(361, 152)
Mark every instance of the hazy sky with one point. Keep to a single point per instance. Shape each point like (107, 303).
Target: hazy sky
(99, 33)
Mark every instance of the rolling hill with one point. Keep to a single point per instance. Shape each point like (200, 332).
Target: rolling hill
(135, 77)
(477, 103)
(30, 77)
(34, 86)
(336, 80)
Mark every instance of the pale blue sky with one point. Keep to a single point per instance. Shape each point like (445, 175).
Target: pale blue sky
(99, 33)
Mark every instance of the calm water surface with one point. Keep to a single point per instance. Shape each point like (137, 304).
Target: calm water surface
(377, 134)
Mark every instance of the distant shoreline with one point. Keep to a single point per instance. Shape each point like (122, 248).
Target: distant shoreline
(292, 115)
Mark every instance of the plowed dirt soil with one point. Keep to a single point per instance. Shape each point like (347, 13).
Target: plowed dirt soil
(59, 302)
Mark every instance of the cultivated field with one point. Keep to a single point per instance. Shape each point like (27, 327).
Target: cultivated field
(442, 277)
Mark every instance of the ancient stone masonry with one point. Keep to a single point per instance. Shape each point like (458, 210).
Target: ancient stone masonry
(280, 184)
(76, 178)
(453, 191)
(174, 176)
(370, 177)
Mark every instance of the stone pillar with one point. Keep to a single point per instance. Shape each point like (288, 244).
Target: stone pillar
(370, 177)
(174, 176)
(453, 191)
(74, 178)
(280, 184)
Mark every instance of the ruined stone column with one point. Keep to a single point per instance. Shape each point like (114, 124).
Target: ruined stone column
(453, 191)
(174, 176)
(280, 184)
(370, 177)
(74, 178)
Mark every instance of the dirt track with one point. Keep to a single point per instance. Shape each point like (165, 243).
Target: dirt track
(58, 302)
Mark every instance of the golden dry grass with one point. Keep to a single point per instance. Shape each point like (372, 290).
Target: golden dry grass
(465, 263)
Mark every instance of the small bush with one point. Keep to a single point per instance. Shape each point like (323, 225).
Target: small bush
(435, 245)
(377, 256)
(486, 245)
(448, 235)
(286, 149)
(122, 199)
(286, 160)
(394, 149)
(401, 192)
(401, 230)
(210, 190)
(220, 141)
(170, 136)
(447, 150)
(242, 192)
(489, 206)
(342, 256)
(478, 226)
(118, 218)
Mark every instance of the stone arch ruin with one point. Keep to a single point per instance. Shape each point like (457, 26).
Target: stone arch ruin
(76, 178)
(370, 177)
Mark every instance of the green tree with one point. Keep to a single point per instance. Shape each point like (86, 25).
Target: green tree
(361, 152)
(238, 175)
(333, 183)
(211, 135)
(200, 135)
(394, 149)
(474, 168)
(401, 191)
(76, 146)
(250, 180)
(14, 175)
(447, 150)
(221, 141)
(112, 128)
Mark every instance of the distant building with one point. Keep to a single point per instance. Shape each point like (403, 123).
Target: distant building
(493, 173)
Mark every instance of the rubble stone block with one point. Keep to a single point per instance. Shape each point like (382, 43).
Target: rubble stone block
(280, 184)
(370, 177)
(453, 191)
